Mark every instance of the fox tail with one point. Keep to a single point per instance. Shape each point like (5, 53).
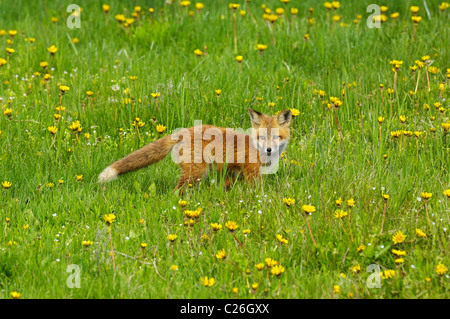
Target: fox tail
(145, 156)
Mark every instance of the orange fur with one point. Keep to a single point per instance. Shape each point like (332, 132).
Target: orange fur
(216, 148)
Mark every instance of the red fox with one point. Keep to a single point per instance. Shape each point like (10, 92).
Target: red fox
(202, 148)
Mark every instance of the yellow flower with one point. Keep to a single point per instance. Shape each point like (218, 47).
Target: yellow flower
(434, 70)
(398, 238)
(231, 225)
(388, 274)
(360, 248)
(289, 201)
(86, 243)
(402, 118)
(279, 11)
(79, 177)
(277, 270)
(396, 63)
(380, 119)
(143, 245)
(207, 282)
(64, 88)
(172, 237)
(260, 266)
(261, 47)
(199, 6)
(52, 129)
(281, 239)
(420, 233)
(270, 262)
(52, 49)
(120, 18)
(106, 8)
(221, 254)
(336, 18)
(109, 219)
(182, 203)
(198, 52)
(15, 295)
(335, 4)
(356, 268)
(216, 227)
(308, 209)
(218, 92)
(398, 252)
(399, 261)
(2, 61)
(336, 289)
(351, 202)
(340, 213)
(155, 95)
(294, 112)
(416, 20)
(447, 193)
(441, 269)
(426, 196)
(338, 201)
(239, 58)
(414, 9)
(160, 128)
(294, 11)
(6, 184)
(385, 197)
(235, 290)
(7, 112)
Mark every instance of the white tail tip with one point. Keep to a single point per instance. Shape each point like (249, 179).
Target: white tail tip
(107, 175)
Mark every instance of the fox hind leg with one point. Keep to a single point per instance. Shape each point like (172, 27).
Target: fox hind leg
(191, 174)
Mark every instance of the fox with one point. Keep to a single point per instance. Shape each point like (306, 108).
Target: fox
(200, 149)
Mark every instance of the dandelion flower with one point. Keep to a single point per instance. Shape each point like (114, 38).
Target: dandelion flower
(221, 254)
(441, 269)
(420, 233)
(308, 209)
(6, 184)
(398, 238)
(109, 219)
(172, 237)
(207, 282)
(277, 270)
(289, 201)
(231, 225)
(15, 295)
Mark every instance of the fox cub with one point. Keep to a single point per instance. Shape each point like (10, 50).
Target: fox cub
(203, 148)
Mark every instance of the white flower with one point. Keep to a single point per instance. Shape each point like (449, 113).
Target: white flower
(115, 87)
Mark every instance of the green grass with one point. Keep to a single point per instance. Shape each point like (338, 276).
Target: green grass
(319, 168)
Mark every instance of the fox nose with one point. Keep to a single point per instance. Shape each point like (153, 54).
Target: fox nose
(269, 150)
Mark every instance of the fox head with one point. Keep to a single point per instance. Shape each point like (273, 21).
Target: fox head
(270, 133)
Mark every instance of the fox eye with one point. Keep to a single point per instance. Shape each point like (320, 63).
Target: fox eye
(262, 138)
(276, 137)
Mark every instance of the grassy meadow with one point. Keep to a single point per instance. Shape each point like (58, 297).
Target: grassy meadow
(369, 149)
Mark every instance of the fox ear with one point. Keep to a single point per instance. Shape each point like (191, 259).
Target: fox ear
(284, 118)
(255, 117)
